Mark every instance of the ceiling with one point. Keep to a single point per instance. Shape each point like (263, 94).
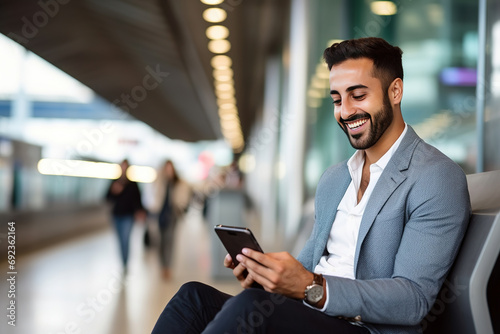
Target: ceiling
(150, 57)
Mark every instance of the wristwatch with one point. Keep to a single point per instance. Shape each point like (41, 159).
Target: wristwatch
(314, 292)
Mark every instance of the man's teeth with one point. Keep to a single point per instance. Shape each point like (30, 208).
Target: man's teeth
(357, 123)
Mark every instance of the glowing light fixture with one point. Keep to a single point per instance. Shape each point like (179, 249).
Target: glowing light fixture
(247, 163)
(79, 168)
(383, 8)
(221, 62)
(225, 87)
(229, 116)
(98, 170)
(224, 74)
(231, 134)
(233, 110)
(224, 101)
(226, 106)
(238, 142)
(227, 82)
(231, 125)
(143, 174)
(224, 113)
(212, 2)
(224, 95)
(219, 46)
(214, 15)
(217, 32)
(223, 77)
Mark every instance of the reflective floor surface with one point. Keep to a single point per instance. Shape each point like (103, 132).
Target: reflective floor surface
(78, 287)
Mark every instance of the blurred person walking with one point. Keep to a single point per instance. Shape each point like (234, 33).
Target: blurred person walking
(172, 197)
(127, 207)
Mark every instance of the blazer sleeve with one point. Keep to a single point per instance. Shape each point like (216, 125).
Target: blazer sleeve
(435, 210)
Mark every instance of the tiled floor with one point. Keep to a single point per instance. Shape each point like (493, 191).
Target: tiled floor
(77, 286)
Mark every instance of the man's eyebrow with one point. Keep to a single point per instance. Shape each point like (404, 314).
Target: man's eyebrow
(349, 89)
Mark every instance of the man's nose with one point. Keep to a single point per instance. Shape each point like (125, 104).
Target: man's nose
(347, 109)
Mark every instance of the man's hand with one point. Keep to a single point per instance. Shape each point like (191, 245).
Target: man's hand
(276, 272)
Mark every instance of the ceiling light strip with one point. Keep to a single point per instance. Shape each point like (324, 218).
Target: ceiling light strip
(223, 75)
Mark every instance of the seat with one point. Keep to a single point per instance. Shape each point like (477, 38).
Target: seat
(469, 299)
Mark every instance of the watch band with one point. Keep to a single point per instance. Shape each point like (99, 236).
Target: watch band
(318, 279)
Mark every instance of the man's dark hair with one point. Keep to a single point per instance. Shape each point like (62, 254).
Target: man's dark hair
(387, 59)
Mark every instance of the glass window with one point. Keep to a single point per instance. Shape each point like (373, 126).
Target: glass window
(492, 88)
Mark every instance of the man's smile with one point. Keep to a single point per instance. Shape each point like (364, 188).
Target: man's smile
(355, 122)
(353, 125)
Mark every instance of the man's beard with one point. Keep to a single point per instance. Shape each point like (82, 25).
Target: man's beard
(378, 124)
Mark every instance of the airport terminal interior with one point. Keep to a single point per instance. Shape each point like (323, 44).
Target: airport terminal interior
(236, 95)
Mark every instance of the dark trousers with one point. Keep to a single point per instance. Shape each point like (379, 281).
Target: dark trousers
(198, 308)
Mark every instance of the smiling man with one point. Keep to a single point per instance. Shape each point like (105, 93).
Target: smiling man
(388, 225)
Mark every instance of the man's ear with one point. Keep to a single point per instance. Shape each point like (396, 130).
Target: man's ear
(396, 91)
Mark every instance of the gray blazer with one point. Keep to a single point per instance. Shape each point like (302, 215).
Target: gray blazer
(409, 236)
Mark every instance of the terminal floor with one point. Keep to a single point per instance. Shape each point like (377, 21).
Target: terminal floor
(77, 286)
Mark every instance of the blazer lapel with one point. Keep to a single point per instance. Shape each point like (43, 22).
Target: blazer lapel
(392, 176)
(330, 202)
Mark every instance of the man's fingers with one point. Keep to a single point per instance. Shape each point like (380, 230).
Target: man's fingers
(257, 258)
(228, 262)
(240, 272)
(257, 271)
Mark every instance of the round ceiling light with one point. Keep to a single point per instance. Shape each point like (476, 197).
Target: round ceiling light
(219, 46)
(217, 32)
(221, 62)
(214, 15)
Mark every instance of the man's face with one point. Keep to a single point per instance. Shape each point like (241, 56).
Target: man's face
(361, 107)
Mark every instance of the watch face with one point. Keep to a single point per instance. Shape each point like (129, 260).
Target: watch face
(314, 294)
